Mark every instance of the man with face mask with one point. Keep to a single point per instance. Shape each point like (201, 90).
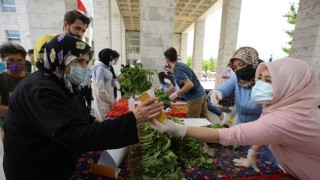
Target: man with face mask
(13, 56)
(75, 23)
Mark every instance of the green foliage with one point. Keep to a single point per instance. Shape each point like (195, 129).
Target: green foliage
(163, 97)
(136, 80)
(159, 162)
(207, 65)
(212, 64)
(291, 17)
(189, 61)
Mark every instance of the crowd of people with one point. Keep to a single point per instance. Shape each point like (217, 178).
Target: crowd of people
(48, 123)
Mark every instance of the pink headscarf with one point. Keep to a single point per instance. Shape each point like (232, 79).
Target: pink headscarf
(295, 86)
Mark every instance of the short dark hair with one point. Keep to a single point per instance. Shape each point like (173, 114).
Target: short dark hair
(30, 51)
(171, 54)
(9, 48)
(71, 16)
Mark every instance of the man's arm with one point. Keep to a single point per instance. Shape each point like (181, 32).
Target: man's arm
(186, 87)
(3, 108)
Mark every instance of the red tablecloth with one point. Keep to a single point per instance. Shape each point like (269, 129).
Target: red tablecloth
(223, 159)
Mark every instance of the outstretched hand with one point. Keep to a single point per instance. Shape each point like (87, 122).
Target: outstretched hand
(249, 162)
(215, 96)
(148, 109)
(168, 126)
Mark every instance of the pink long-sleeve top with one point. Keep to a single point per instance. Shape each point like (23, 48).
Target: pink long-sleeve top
(293, 138)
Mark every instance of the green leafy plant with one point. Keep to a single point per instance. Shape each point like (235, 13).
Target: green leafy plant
(135, 80)
(163, 97)
(291, 17)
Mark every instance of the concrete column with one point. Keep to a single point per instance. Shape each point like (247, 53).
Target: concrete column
(198, 43)
(116, 31)
(306, 37)
(177, 43)
(101, 25)
(228, 33)
(154, 40)
(184, 47)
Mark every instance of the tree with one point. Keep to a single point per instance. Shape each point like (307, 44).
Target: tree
(291, 17)
(207, 65)
(189, 61)
(212, 64)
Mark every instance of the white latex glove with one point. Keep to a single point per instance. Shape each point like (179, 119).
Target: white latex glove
(215, 96)
(249, 162)
(168, 126)
(173, 96)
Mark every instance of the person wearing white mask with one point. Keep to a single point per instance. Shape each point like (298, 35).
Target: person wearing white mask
(289, 123)
(102, 88)
(115, 56)
(47, 129)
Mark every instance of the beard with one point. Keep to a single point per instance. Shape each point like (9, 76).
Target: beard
(71, 34)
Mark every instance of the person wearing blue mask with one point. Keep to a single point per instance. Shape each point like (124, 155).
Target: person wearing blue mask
(244, 63)
(13, 55)
(289, 123)
(47, 129)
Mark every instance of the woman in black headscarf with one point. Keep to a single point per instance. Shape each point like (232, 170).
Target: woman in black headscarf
(102, 88)
(46, 128)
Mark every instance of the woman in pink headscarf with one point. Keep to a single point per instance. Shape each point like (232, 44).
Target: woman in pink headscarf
(289, 90)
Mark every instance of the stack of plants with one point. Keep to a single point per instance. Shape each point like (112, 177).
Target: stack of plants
(163, 97)
(136, 80)
(160, 156)
(152, 158)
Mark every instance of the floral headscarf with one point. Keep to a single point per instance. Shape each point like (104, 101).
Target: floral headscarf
(249, 56)
(58, 53)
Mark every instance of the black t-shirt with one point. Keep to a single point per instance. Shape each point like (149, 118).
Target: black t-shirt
(46, 130)
(7, 85)
(28, 66)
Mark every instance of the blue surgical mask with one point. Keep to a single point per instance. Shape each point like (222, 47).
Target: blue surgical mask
(77, 74)
(261, 92)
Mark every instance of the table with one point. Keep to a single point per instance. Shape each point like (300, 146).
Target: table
(222, 159)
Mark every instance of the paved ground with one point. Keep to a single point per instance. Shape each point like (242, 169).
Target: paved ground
(1, 158)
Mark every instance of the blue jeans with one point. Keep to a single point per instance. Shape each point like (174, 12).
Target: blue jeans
(214, 110)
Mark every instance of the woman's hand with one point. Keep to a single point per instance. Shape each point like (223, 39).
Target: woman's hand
(148, 109)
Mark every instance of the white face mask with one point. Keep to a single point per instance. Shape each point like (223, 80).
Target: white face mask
(110, 63)
(261, 92)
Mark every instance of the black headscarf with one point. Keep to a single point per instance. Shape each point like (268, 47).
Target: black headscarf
(105, 56)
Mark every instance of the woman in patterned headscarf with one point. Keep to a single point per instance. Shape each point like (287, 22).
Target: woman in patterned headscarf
(46, 127)
(289, 124)
(244, 63)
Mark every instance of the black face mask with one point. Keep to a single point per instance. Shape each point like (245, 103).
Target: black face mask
(71, 34)
(246, 73)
